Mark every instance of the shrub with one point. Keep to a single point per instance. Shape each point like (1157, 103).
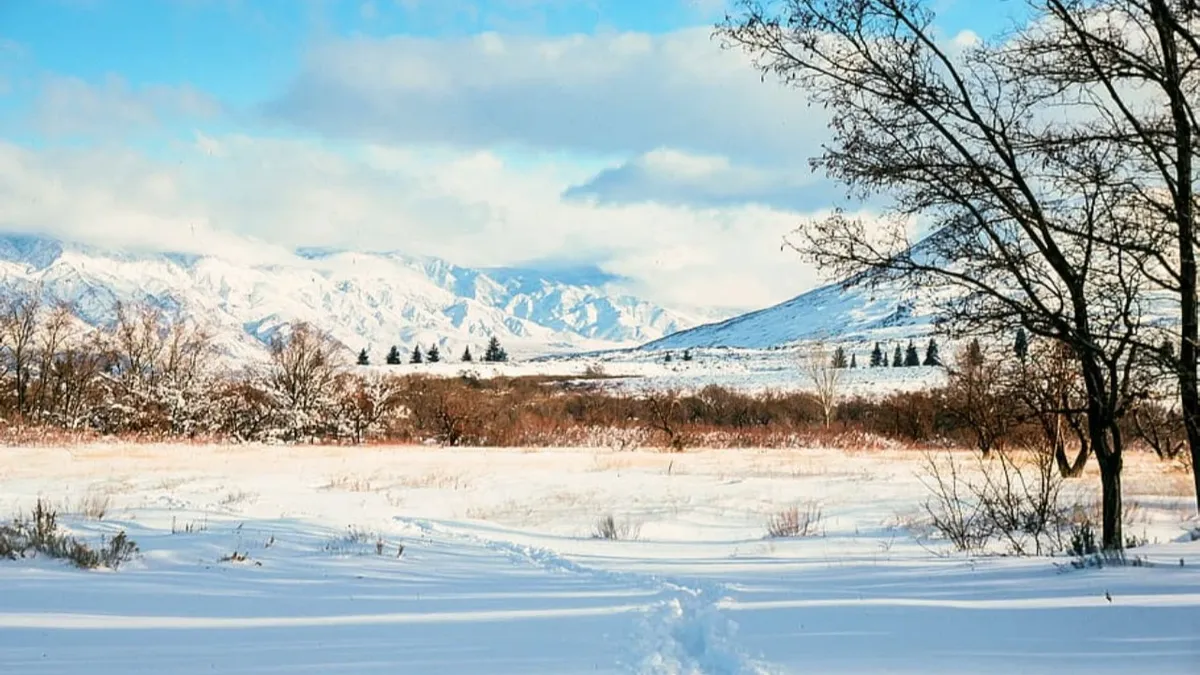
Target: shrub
(794, 522)
(608, 528)
(38, 533)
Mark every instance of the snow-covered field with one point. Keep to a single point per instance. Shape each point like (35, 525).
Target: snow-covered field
(744, 370)
(499, 573)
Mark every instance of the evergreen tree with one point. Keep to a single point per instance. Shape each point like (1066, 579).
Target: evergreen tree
(416, 355)
(393, 356)
(1021, 345)
(466, 356)
(839, 358)
(1167, 351)
(911, 356)
(433, 355)
(877, 358)
(687, 355)
(363, 358)
(854, 360)
(897, 357)
(494, 352)
(974, 354)
(931, 354)
(667, 358)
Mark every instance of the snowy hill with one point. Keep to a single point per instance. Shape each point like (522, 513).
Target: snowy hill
(371, 300)
(859, 313)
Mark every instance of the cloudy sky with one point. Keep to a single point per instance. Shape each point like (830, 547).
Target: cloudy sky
(606, 135)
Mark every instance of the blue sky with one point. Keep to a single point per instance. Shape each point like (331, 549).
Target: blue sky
(607, 133)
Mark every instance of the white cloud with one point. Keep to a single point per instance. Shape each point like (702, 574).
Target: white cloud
(70, 106)
(605, 94)
(671, 177)
(469, 207)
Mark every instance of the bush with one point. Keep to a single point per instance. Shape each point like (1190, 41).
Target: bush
(38, 533)
(794, 522)
(608, 528)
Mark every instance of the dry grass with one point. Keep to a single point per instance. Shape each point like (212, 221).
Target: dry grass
(348, 483)
(92, 506)
(608, 527)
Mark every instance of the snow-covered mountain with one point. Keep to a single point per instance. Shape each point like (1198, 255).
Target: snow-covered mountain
(372, 300)
(836, 312)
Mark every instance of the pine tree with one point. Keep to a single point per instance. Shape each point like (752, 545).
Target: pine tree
(393, 356)
(495, 353)
(667, 358)
(931, 354)
(1021, 345)
(1167, 351)
(854, 360)
(974, 354)
(877, 359)
(839, 358)
(364, 359)
(687, 355)
(897, 357)
(416, 355)
(433, 355)
(911, 356)
(466, 355)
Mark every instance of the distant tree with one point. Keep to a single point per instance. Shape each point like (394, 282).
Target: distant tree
(495, 353)
(897, 358)
(839, 358)
(416, 355)
(1021, 345)
(877, 358)
(974, 355)
(433, 355)
(687, 355)
(1166, 351)
(911, 356)
(853, 360)
(667, 358)
(364, 359)
(466, 355)
(931, 354)
(393, 356)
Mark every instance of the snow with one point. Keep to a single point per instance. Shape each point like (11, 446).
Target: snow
(499, 573)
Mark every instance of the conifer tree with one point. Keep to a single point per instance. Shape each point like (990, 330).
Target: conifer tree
(931, 354)
(877, 358)
(1167, 351)
(1021, 345)
(974, 354)
(433, 355)
(687, 355)
(495, 353)
(466, 355)
(364, 359)
(854, 360)
(667, 358)
(393, 356)
(416, 355)
(897, 357)
(911, 356)
(839, 358)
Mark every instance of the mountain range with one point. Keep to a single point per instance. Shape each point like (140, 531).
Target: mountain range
(364, 300)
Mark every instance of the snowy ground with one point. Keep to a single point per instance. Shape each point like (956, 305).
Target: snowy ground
(499, 573)
(745, 370)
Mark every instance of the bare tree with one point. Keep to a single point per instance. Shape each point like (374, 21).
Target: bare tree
(1134, 66)
(19, 332)
(1027, 231)
(826, 379)
(978, 395)
(304, 373)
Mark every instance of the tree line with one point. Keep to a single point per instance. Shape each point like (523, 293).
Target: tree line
(494, 353)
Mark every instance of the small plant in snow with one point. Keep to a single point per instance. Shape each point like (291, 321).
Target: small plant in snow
(38, 533)
(609, 528)
(795, 522)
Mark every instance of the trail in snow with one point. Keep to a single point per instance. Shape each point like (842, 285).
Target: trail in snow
(685, 633)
